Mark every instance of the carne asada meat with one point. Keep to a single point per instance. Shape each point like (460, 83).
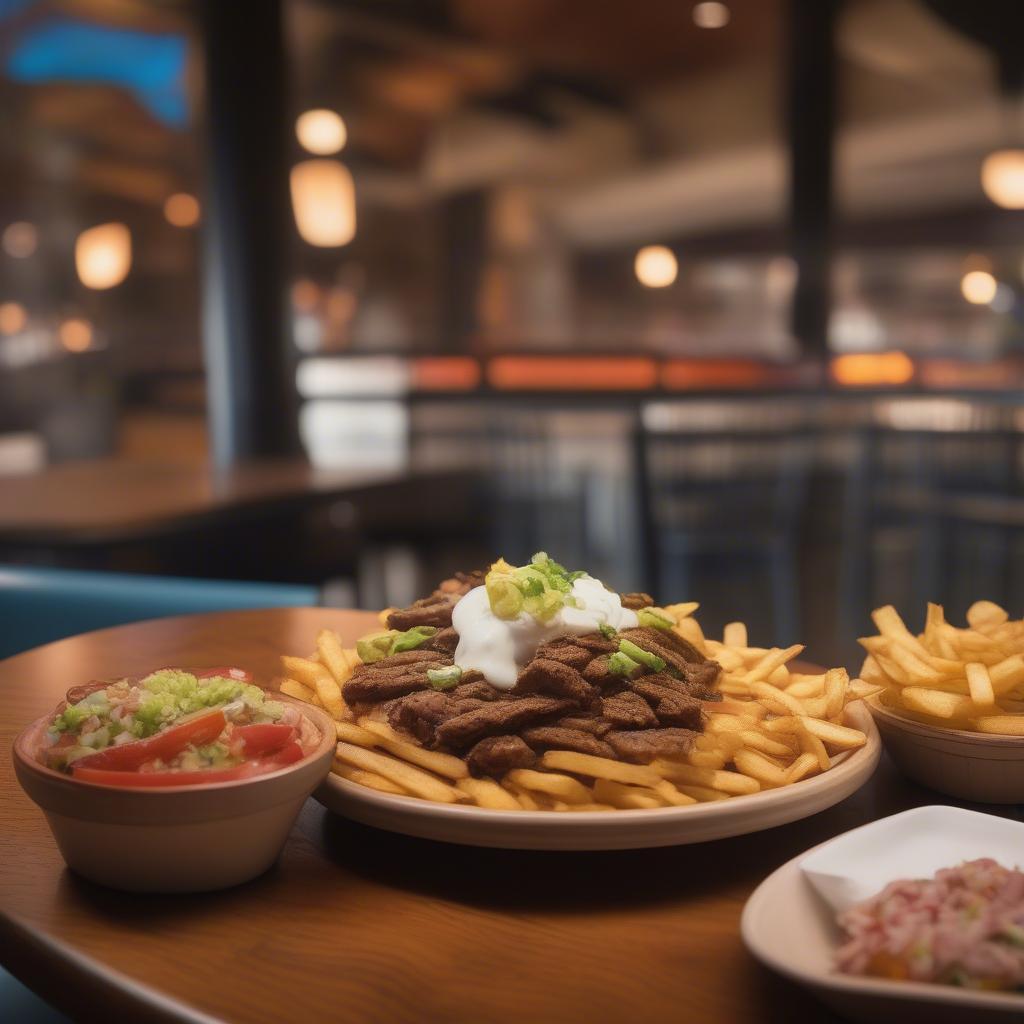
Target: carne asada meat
(686, 686)
(551, 737)
(475, 689)
(429, 611)
(499, 754)
(499, 717)
(636, 600)
(643, 747)
(585, 723)
(568, 653)
(597, 672)
(542, 675)
(666, 639)
(421, 713)
(372, 688)
(460, 584)
(628, 711)
(670, 706)
(444, 641)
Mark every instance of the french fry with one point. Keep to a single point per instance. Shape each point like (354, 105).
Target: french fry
(702, 794)
(487, 793)
(626, 797)
(689, 629)
(735, 634)
(771, 661)
(778, 701)
(980, 684)
(835, 692)
(840, 736)
(755, 765)
(1005, 725)
(416, 781)
(365, 778)
(445, 765)
(727, 782)
(333, 656)
(293, 688)
(671, 795)
(765, 744)
(330, 695)
(561, 787)
(810, 744)
(803, 766)
(350, 733)
(682, 609)
(889, 624)
(936, 703)
(303, 670)
(600, 768)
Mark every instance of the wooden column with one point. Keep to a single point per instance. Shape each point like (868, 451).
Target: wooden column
(810, 108)
(250, 358)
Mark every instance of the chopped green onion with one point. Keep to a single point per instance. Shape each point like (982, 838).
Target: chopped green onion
(444, 678)
(655, 618)
(620, 664)
(412, 638)
(652, 661)
(607, 631)
(505, 597)
(375, 646)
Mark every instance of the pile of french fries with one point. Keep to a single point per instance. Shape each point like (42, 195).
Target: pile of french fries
(772, 728)
(956, 678)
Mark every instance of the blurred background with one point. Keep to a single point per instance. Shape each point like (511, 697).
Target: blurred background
(721, 301)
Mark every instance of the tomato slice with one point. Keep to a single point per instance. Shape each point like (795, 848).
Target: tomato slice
(226, 671)
(288, 754)
(203, 727)
(262, 739)
(108, 777)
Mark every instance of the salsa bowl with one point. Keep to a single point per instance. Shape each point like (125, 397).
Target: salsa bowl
(166, 839)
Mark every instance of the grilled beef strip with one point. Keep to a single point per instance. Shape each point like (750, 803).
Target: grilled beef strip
(417, 656)
(644, 746)
(628, 711)
(670, 706)
(551, 737)
(373, 689)
(568, 653)
(500, 717)
(421, 713)
(637, 600)
(444, 641)
(665, 638)
(475, 688)
(428, 611)
(496, 755)
(542, 675)
(585, 723)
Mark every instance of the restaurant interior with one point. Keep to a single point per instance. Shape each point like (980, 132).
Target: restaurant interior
(319, 301)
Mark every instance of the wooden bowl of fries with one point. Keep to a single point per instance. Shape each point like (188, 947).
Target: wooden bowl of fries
(950, 701)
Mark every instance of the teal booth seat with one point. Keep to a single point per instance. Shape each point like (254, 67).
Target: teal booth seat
(40, 605)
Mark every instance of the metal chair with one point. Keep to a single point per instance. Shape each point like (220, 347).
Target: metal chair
(38, 605)
(728, 495)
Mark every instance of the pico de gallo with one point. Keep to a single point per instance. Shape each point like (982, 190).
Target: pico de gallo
(175, 728)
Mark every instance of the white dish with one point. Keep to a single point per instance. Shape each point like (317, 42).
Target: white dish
(610, 830)
(789, 921)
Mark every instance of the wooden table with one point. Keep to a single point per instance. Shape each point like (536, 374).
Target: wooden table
(359, 925)
(114, 500)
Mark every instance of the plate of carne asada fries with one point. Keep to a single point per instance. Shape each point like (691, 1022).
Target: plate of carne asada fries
(529, 707)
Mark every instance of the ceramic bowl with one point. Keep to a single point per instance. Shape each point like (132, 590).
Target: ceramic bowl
(967, 765)
(173, 839)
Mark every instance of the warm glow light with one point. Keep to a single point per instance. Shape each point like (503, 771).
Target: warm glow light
(577, 373)
(710, 15)
(978, 287)
(446, 373)
(867, 368)
(20, 239)
(321, 131)
(324, 202)
(182, 210)
(655, 266)
(305, 295)
(1002, 178)
(75, 334)
(13, 317)
(103, 255)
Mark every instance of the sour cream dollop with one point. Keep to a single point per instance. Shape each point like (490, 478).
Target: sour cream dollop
(501, 647)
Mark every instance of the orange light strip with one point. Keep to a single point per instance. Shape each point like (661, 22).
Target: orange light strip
(445, 373)
(582, 373)
(700, 374)
(865, 369)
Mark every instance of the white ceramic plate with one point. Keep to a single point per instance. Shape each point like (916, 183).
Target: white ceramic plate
(789, 921)
(609, 830)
